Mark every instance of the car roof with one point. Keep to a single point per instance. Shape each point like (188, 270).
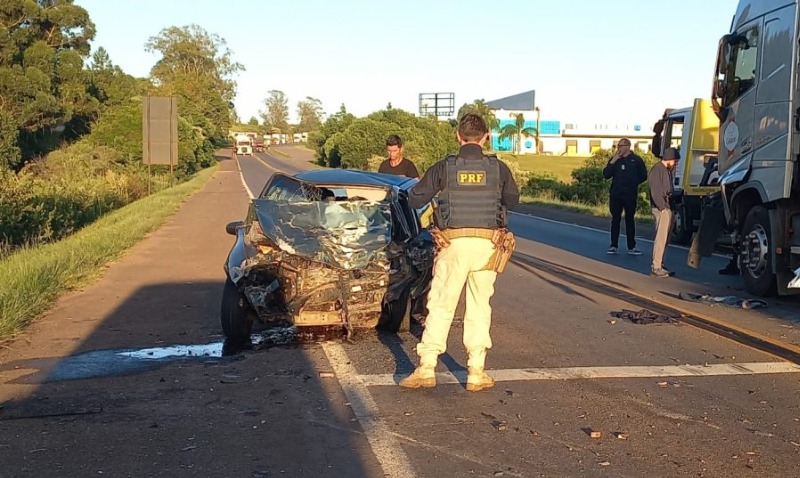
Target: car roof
(355, 177)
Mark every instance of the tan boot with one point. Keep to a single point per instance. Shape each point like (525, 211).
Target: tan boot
(478, 380)
(423, 377)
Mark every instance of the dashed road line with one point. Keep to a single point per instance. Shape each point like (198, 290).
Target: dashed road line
(584, 373)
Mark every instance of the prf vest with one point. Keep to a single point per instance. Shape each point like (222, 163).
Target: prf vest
(471, 197)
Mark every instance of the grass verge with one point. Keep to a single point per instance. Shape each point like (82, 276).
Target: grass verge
(559, 166)
(589, 209)
(32, 279)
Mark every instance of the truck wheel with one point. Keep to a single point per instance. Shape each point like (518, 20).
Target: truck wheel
(681, 232)
(236, 314)
(756, 258)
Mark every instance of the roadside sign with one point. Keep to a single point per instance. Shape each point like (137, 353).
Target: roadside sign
(160, 130)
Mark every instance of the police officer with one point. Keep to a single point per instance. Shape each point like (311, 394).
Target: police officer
(475, 192)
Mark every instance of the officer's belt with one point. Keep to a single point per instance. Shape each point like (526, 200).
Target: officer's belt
(454, 233)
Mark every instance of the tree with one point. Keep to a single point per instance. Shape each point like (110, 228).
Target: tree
(197, 67)
(42, 82)
(108, 83)
(253, 121)
(483, 110)
(276, 115)
(324, 140)
(310, 113)
(516, 131)
(480, 108)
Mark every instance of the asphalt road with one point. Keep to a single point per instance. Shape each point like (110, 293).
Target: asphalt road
(667, 399)
(529, 426)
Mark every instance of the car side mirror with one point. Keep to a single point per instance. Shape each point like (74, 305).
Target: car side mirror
(232, 226)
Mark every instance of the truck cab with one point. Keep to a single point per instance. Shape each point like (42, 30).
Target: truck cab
(755, 96)
(694, 131)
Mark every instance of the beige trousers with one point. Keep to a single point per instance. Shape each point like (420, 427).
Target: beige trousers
(663, 225)
(459, 263)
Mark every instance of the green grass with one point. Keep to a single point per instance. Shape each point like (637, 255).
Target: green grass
(33, 278)
(559, 166)
(598, 210)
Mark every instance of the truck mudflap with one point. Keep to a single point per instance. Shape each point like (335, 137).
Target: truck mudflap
(712, 223)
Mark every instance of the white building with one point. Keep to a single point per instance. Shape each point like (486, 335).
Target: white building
(562, 140)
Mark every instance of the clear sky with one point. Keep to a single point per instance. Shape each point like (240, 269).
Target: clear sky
(607, 61)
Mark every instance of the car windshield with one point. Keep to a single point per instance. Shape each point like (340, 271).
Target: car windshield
(344, 227)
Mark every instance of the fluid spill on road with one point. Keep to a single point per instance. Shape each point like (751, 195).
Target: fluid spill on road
(110, 363)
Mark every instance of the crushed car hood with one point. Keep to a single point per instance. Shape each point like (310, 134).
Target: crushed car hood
(345, 235)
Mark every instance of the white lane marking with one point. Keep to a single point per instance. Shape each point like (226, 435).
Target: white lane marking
(602, 231)
(241, 175)
(387, 450)
(577, 373)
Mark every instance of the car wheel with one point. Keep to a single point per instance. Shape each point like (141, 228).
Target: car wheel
(756, 256)
(235, 314)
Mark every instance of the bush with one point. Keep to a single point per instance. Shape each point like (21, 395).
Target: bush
(71, 188)
(588, 185)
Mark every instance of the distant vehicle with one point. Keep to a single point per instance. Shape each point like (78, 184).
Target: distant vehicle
(243, 145)
(331, 247)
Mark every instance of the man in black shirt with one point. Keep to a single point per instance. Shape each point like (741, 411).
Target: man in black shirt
(397, 164)
(474, 193)
(626, 172)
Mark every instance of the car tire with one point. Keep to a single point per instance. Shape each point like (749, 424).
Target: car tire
(235, 314)
(756, 265)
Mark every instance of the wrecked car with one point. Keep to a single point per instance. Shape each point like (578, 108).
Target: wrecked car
(330, 248)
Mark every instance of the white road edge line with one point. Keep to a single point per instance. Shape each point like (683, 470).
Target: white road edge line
(553, 221)
(241, 175)
(578, 373)
(384, 446)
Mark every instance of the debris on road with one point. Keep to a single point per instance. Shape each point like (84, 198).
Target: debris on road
(726, 300)
(621, 435)
(643, 317)
(592, 432)
(500, 425)
(326, 375)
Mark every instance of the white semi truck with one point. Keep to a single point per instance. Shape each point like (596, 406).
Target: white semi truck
(756, 93)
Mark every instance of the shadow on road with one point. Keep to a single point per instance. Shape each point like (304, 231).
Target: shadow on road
(150, 391)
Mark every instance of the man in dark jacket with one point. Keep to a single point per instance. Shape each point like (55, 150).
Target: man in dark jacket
(626, 171)
(474, 193)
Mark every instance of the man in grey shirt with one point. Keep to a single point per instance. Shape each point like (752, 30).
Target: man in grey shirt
(661, 188)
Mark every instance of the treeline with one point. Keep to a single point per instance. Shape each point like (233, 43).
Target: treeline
(344, 141)
(360, 143)
(71, 122)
